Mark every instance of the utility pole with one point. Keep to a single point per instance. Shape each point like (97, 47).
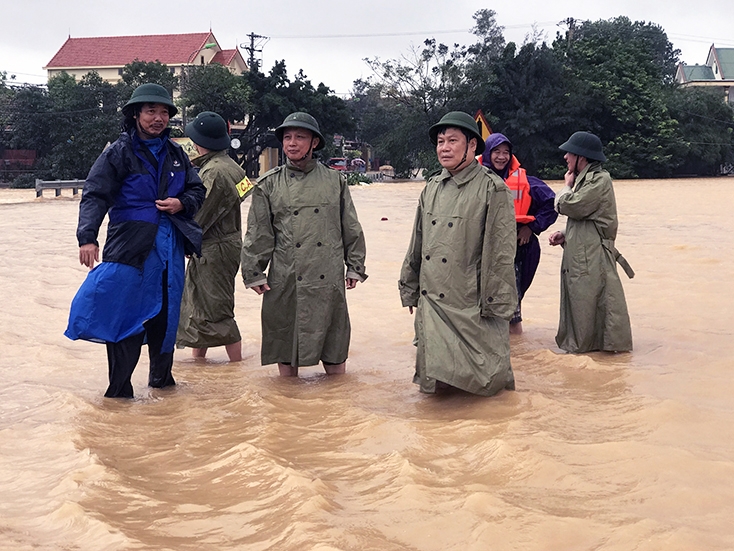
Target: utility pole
(254, 48)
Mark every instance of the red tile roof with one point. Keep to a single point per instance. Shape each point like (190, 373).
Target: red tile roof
(114, 51)
(224, 57)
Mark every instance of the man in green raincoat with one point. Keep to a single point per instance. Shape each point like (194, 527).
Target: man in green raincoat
(459, 271)
(303, 229)
(593, 308)
(207, 308)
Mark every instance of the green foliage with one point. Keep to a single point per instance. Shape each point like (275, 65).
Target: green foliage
(274, 96)
(528, 96)
(24, 181)
(142, 72)
(356, 178)
(214, 88)
(620, 71)
(404, 97)
(67, 125)
(705, 130)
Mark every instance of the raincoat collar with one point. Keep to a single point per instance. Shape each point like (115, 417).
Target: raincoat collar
(466, 175)
(593, 166)
(201, 160)
(310, 165)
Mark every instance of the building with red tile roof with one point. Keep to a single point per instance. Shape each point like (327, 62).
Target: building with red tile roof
(108, 55)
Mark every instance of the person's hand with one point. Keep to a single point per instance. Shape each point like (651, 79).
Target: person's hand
(172, 205)
(557, 238)
(260, 289)
(88, 255)
(351, 283)
(569, 178)
(524, 234)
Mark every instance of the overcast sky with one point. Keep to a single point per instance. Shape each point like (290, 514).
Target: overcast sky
(329, 39)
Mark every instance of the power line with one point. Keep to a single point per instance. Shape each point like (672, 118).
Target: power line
(409, 33)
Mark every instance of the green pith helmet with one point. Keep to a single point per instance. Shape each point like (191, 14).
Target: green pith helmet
(150, 93)
(301, 120)
(209, 130)
(584, 144)
(458, 119)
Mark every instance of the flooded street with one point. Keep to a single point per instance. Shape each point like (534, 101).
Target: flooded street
(591, 452)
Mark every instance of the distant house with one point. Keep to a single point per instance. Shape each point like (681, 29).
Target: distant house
(718, 72)
(108, 55)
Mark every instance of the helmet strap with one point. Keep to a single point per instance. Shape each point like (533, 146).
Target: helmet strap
(466, 152)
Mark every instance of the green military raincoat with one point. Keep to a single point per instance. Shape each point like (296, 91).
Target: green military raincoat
(303, 228)
(593, 308)
(459, 271)
(207, 307)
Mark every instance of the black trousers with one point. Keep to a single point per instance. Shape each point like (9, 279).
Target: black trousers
(123, 356)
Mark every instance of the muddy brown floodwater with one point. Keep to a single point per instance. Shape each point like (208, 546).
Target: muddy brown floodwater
(592, 452)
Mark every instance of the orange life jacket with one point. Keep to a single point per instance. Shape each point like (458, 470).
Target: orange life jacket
(517, 181)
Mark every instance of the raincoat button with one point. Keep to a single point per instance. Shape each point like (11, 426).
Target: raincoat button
(316, 210)
(299, 278)
(441, 295)
(318, 244)
(490, 299)
(444, 260)
(293, 175)
(298, 245)
(254, 273)
(295, 213)
(428, 257)
(433, 222)
(356, 269)
(451, 224)
(321, 277)
(424, 292)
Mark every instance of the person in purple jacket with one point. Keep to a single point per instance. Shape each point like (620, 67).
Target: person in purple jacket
(534, 213)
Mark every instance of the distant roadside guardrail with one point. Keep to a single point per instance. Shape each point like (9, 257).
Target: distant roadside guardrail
(58, 185)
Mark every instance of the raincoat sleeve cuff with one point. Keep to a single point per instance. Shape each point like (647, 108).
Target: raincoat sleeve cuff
(255, 283)
(354, 275)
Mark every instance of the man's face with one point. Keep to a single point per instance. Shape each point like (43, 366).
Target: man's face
(152, 120)
(297, 142)
(451, 147)
(500, 156)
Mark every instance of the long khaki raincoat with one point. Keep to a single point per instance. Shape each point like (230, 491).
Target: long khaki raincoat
(593, 308)
(459, 271)
(303, 224)
(207, 308)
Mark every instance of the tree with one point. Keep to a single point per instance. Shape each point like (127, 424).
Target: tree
(411, 93)
(274, 96)
(706, 129)
(214, 88)
(527, 100)
(141, 72)
(620, 70)
(67, 125)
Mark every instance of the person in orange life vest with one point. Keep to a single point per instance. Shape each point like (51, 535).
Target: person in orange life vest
(534, 213)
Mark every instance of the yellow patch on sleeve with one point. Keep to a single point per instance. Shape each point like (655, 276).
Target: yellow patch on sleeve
(244, 186)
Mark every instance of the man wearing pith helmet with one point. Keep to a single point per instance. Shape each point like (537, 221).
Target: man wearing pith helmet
(459, 273)
(147, 187)
(207, 309)
(593, 308)
(303, 248)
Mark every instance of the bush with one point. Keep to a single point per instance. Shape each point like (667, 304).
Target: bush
(355, 178)
(24, 181)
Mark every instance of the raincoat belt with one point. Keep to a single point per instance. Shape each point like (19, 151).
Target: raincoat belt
(608, 244)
